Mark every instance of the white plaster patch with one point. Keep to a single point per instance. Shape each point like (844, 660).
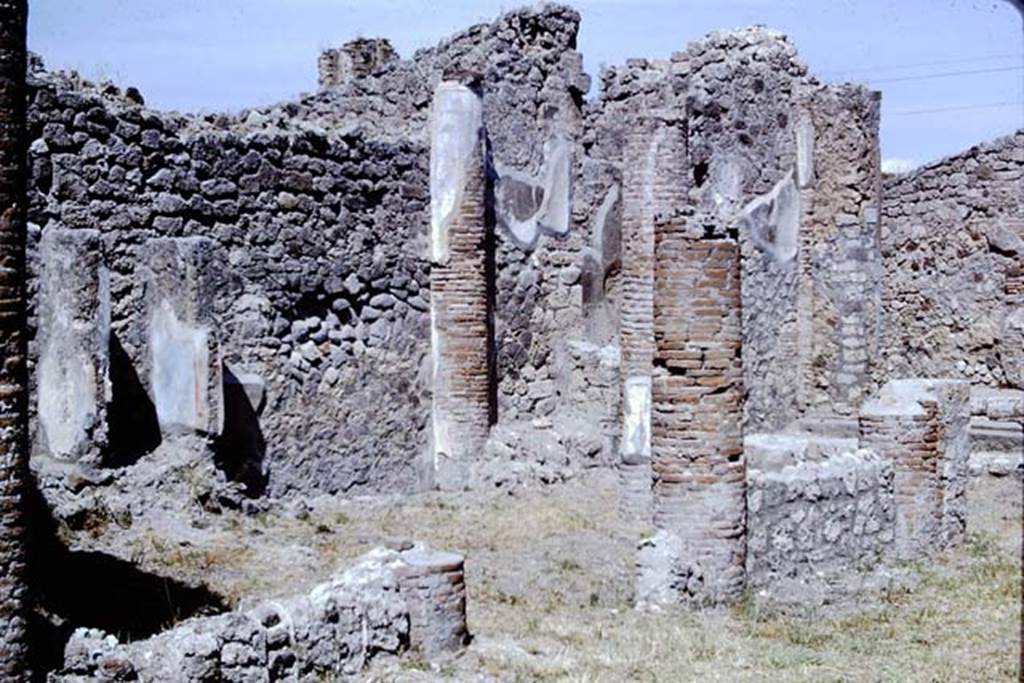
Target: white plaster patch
(455, 127)
(66, 397)
(440, 447)
(773, 220)
(555, 181)
(180, 368)
(636, 417)
(804, 152)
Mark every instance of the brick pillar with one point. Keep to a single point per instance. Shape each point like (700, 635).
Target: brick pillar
(653, 189)
(699, 469)
(183, 359)
(459, 300)
(13, 342)
(434, 587)
(73, 336)
(921, 426)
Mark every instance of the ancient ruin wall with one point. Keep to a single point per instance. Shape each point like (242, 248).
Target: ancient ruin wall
(532, 85)
(952, 245)
(320, 277)
(839, 300)
(816, 523)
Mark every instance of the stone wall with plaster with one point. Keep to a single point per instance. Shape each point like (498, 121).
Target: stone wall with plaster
(320, 295)
(952, 247)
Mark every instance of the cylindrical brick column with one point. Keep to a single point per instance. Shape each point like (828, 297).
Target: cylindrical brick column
(699, 469)
(433, 585)
(921, 426)
(13, 380)
(459, 315)
(653, 188)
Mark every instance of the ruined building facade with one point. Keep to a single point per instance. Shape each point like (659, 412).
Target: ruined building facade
(455, 270)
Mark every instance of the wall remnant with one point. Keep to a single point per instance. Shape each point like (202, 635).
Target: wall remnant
(921, 426)
(387, 602)
(73, 336)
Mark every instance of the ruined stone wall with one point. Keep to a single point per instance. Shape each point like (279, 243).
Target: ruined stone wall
(532, 85)
(839, 300)
(388, 603)
(952, 247)
(320, 276)
(814, 524)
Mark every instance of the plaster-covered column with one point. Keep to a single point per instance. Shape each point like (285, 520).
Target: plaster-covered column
(653, 190)
(459, 299)
(184, 363)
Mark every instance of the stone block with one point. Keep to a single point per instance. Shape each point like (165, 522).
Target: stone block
(181, 277)
(72, 383)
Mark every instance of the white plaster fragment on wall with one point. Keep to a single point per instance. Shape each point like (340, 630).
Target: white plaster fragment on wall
(553, 185)
(773, 220)
(180, 363)
(455, 129)
(636, 418)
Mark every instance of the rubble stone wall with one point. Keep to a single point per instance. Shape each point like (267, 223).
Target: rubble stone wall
(320, 273)
(816, 521)
(952, 245)
(389, 602)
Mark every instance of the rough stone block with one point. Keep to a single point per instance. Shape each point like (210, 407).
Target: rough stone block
(73, 387)
(184, 362)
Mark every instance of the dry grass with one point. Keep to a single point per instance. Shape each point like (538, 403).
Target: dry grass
(549, 578)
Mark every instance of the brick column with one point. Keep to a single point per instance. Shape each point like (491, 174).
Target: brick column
(921, 426)
(434, 587)
(653, 189)
(73, 336)
(699, 469)
(13, 342)
(459, 299)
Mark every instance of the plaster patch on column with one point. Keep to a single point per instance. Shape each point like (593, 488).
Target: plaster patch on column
(440, 444)
(804, 151)
(67, 392)
(636, 419)
(455, 133)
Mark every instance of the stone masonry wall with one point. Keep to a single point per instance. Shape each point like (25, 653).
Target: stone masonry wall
(532, 85)
(813, 524)
(952, 245)
(320, 295)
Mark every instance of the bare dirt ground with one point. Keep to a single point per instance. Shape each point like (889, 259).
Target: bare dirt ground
(549, 580)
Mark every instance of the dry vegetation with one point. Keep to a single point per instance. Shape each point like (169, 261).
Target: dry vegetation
(549, 578)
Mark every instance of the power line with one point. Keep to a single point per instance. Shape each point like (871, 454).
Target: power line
(918, 65)
(992, 105)
(947, 74)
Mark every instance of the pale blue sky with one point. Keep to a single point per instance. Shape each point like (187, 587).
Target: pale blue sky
(217, 55)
